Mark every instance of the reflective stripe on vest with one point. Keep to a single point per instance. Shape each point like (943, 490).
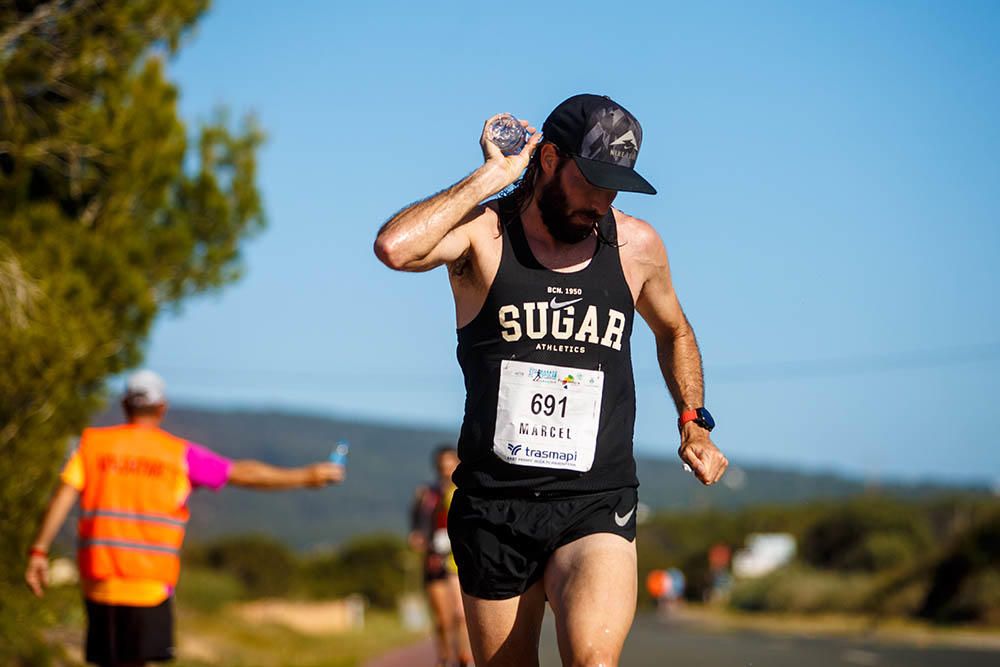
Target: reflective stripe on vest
(133, 516)
(122, 544)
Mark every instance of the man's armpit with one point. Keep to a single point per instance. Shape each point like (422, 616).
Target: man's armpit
(461, 267)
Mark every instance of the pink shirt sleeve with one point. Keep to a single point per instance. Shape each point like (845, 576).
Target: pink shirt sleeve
(206, 468)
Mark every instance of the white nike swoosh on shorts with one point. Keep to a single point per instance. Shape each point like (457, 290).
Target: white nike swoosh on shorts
(622, 520)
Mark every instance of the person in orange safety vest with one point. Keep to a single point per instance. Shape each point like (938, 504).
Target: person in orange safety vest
(133, 482)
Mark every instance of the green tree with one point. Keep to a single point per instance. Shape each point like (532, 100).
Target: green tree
(107, 216)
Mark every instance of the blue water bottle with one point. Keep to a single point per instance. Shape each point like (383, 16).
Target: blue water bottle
(339, 453)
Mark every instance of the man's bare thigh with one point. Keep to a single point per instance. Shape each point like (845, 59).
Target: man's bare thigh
(591, 586)
(505, 633)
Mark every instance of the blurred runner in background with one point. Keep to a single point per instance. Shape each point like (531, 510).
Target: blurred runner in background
(429, 536)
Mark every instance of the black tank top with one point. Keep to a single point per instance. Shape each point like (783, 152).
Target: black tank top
(523, 293)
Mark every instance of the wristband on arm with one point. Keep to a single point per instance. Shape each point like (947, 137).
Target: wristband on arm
(699, 416)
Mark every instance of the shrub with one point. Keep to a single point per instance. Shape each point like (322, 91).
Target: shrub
(374, 566)
(866, 537)
(965, 582)
(803, 590)
(262, 566)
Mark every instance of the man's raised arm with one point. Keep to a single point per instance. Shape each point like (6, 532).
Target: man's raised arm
(430, 233)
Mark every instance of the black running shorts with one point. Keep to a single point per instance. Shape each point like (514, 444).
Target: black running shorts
(434, 568)
(123, 634)
(502, 544)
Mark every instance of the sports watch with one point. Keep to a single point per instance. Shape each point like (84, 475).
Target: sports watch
(699, 416)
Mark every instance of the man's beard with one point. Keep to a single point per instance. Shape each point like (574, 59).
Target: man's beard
(562, 223)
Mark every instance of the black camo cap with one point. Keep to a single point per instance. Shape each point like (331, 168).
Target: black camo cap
(603, 139)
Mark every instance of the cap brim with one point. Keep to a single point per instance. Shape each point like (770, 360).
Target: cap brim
(613, 176)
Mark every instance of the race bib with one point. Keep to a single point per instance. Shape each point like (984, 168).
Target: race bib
(548, 416)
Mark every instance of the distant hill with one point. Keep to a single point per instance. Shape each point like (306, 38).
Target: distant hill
(387, 462)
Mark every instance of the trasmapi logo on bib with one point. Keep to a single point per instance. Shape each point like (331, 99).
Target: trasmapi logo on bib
(543, 455)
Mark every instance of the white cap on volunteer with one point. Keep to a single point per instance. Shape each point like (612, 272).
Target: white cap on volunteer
(144, 389)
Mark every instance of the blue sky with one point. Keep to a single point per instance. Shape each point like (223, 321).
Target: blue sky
(829, 197)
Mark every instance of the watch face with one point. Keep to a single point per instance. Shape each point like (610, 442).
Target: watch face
(705, 417)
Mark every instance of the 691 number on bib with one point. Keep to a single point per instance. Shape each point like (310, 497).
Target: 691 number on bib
(548, 405)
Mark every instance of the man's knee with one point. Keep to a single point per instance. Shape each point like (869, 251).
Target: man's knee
(593, 658)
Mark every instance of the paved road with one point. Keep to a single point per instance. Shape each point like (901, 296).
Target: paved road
(418, 655)
(653, 643)
(656, 644)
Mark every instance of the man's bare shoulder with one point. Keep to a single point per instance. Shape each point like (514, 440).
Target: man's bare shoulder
(485, 218)
(638, 239)
(483, 228)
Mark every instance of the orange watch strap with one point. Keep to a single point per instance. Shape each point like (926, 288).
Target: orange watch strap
(686, 416)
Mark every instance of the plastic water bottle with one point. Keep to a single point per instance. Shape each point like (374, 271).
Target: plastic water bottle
(508, 134)
(339, 453)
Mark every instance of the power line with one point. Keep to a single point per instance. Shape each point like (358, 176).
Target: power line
(725, 373)
(858, 365)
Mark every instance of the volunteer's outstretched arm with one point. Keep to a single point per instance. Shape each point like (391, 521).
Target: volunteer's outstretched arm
(263, 476)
